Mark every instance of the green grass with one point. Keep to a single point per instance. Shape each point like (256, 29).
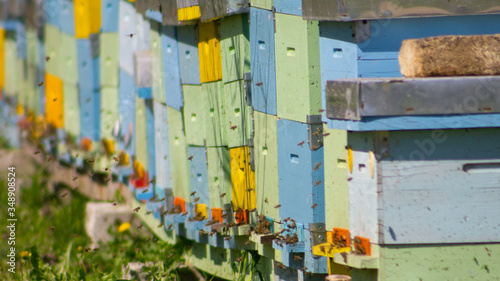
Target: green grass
(53, 233)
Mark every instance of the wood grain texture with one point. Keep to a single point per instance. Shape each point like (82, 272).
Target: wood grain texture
(195, 114)
(235, 47)
(242, 179)
(398, 123)
(450, 56)
(336, 175)
(363, 203)
(440, 186)
(263, 61)
(297, 67)
(440, 262)
(219, 176)
(216, 129)
(300, 186)
(238, 115)
(266, 165)
(189, 60)
(199, 174)
(209, 51)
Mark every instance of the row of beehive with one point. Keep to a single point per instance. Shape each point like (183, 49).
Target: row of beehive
(179, 101)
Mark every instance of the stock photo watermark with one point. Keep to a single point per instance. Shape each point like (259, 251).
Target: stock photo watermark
(11, 220)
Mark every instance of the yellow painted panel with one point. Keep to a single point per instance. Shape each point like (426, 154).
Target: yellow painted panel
(189, 13)
(201, 209)
(209, 52)
(95, 16)
(54, 109)
(2, 71)
(83, 17)
(242, 179)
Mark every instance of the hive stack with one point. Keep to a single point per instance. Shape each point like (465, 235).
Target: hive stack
(278, 127)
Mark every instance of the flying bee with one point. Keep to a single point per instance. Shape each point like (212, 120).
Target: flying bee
(137, 209)
(114, 204)
(280, 265)
(196, 199)
(160, 225)
(140, 226)
(303, 269)
(54, 99)
(317, 183)
(202, 232)
(40, 84)
(49, 158)
(164, 213)
(212, 233)
(326, 134)
(233, 127)
(277, 206)
(240, 259)
(36, 152)
(314, 206)
(321, 110)
(106, 169)
(265, 200)
(47, 58)
(222, 195)
(301, 143)
(169, 226)
(253, 210)
(148, 213)
(249, 189)
(227, 238)
(297, 257)
(248, 243)
(64, 195)
(131, 35)
(75, 178)
(317, 166)
(52, 228)
(115, 158)
(107, 179)
(330, 248)
(90, 161)
(193, 193)
(322, 249)
(145, 190)
(190, 157)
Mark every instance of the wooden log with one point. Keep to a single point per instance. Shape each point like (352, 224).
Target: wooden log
(450, 56)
